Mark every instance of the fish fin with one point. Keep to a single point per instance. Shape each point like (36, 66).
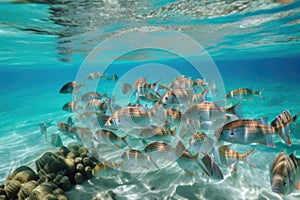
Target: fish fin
(282, 126)
(189, 172)
(235, 110)
(269, 141)
(259, 92)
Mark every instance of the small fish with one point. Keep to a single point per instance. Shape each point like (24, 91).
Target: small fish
(177, 97)
(198, 98)
(285, 173)
(68, 88)
(66, 129)
(92, 95)
(186, 159)
(128, 118)
(199, 84)
(157, 133)
(150, 98)
(126, 88)
(209, 111)
(97, 106)
(95, 75)
(141, 87)
(247, 131)
(200, 142)
(43, 129)
(244, 93)
(71, 107)
(109, 138)
(231, 158)
(106, 168)
(212, 167)
(181, 82)
(138, 159)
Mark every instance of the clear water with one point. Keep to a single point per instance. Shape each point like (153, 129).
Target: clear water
(254, 44)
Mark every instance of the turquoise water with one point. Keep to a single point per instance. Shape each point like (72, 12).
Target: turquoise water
(43, 45)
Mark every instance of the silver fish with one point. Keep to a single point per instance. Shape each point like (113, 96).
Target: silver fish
(231, 158)
(106, 168)
(95, 75)
(247, 131)
(66, 129)
(212, 167)
(128, 118)
(209, 111)
(71, 107)
(177, 97)
(186, 160)
(110, 138)
(92, 95)
(285, 173)
(138, 159)
(155, 133)
(244, 93)
(68, 88)
(97, 105)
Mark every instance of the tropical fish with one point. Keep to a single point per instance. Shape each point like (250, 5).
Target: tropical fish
(106, 168)
(231, 158)
(138, 159)
(66, 129)
(97, 105)
(247, 131)
(177, 97)
(109, 138)
(128, 118)
(92, 95)
(285, 173)
(244, 93)
(68, 88)
(71, 107)
(157, 133)
(209, 111)
(212, 167)
(200, 142)
(185, 160)
(95, 75)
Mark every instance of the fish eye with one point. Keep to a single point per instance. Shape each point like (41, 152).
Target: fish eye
(231, 134)
(284, 182)
(111, 121)
(166, 98)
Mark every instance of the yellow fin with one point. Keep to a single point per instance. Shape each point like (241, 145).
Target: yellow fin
(298, 185)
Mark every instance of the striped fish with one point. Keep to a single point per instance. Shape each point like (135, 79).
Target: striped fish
(95, 76)
(92, 95)
(70, 87)
(71, 107)
(66, 129)
(156, 133)
(231, 158)
(285, 173)
(176, 97)
(128, 118)
(137, 158)
(186, 160)
(97, 105)
(247, 131)
(106, 168)
(209, 111)
(110, 138)
(244, 93)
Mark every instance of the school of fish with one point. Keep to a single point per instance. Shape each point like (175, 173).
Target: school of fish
(164, 123)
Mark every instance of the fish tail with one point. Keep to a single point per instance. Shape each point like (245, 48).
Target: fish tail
(195, 157)
(281, 125)
(235, 110)
(246, 157)
(124, 140)
(259, 93)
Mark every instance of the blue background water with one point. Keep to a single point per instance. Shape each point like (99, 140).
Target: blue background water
(43, 45)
